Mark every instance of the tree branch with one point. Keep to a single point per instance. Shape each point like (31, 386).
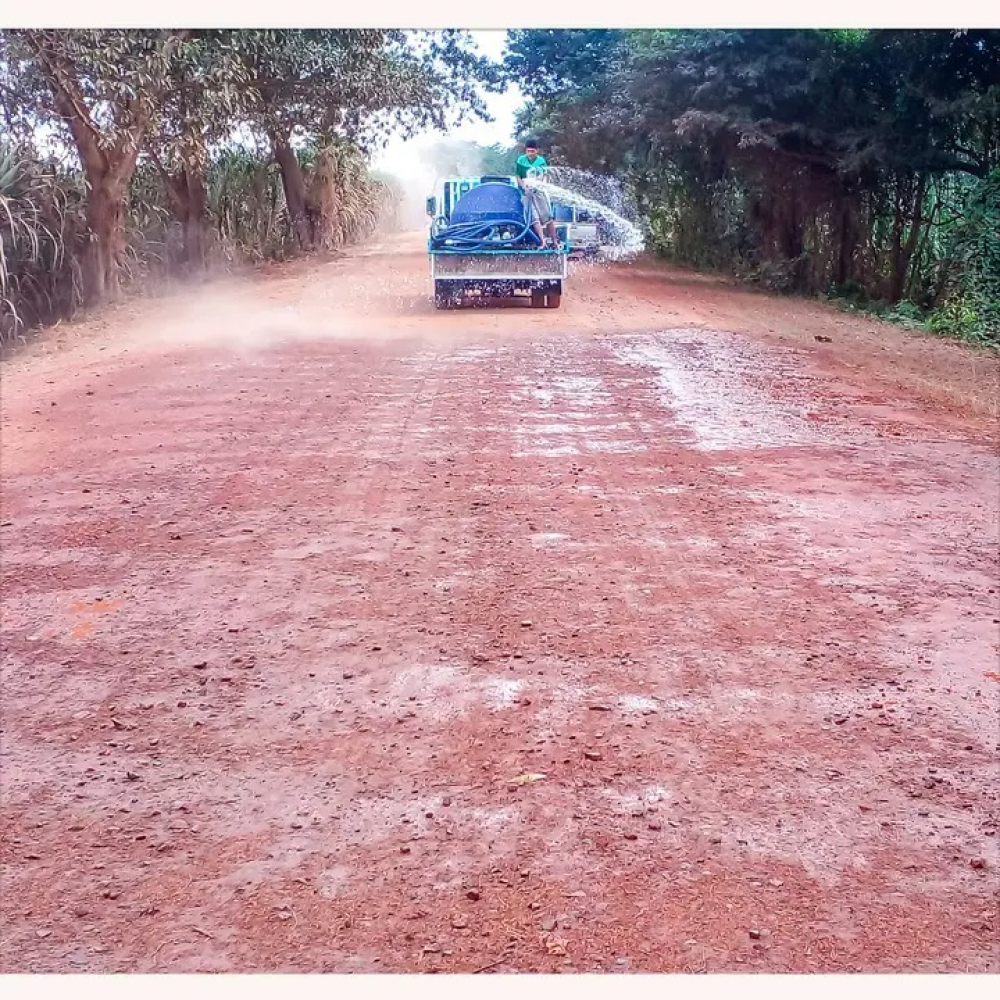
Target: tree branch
(70, 105)
(168, 181)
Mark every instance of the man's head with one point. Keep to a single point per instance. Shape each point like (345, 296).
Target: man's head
(531, 148)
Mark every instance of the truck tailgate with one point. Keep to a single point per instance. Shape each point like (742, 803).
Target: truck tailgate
(497, 266)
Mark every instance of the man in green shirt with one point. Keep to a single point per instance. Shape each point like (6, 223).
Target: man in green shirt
(533, 164)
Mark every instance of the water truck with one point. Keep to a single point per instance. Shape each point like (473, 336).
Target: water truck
(482, 246)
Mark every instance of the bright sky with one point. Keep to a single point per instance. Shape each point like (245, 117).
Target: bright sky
(501, 106)
(402, 156)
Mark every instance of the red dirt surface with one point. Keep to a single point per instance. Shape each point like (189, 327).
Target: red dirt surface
(651, 634)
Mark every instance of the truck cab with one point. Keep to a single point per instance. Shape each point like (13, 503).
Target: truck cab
(577, 229)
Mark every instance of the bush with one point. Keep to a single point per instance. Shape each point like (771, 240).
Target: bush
(41, 227)
(971, 307)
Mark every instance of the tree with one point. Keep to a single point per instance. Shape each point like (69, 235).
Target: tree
(101, 90)
(460, 157)
(805, 158)
(207, 93)
(551, 64)
(361, 85)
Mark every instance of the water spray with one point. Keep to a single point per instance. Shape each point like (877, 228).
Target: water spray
(626, 238)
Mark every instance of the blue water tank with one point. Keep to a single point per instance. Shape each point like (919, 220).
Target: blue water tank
(489, 203)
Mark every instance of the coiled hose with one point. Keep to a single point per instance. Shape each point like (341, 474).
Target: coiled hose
(473, 236)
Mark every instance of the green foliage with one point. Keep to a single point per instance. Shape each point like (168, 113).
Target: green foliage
(248, 206)
(971, 308)
(547, 64)
(802, 160)
(41, 226)
(959, 318)
(359, 84)
(105, 83)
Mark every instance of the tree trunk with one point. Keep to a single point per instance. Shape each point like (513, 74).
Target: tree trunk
(105, 208)
(192, 205)
(792, 237)
(294, 182)
(188, 196)
(765, 224)
(108, 171)
(896, 270)
(912, 239)
(912, 288)
(325, 200)
(196, 227)
(845, 242)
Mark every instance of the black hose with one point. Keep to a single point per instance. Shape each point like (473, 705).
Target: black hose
(472, 236)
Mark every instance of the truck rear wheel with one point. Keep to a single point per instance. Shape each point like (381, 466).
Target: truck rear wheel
(445, 297)
(545, 300)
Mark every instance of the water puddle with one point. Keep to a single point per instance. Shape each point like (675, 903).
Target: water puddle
(637, 703)
(502, 692)
(545, 538)
(578, 413)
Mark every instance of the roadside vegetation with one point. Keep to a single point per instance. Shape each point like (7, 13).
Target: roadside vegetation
(128, 158)
(862, 165)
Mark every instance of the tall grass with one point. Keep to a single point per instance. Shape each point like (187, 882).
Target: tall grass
(41, 235)
(352, 203)
(247, 202)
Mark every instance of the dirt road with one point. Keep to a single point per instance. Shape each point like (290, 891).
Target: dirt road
(652, 634)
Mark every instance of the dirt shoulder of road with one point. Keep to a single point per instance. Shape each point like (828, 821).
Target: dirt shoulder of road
(938, 371)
